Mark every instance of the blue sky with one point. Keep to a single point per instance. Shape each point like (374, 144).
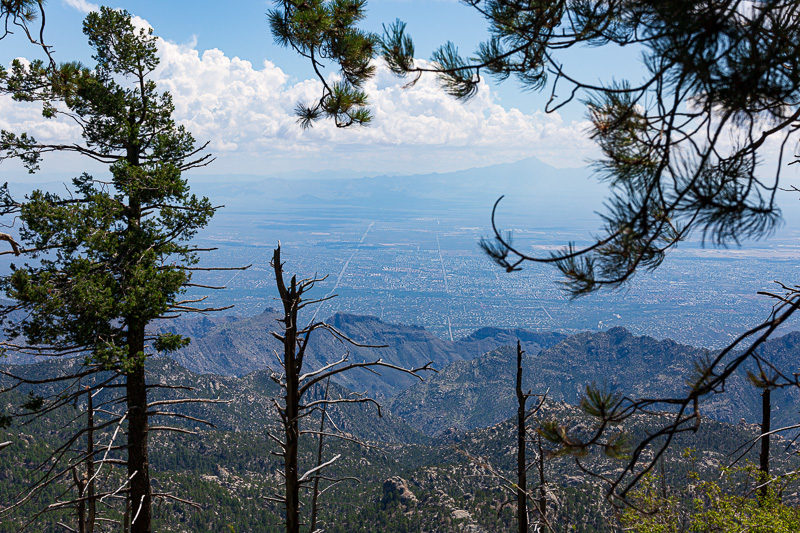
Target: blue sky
(235, 88)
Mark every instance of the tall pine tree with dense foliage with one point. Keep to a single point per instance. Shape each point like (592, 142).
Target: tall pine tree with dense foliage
(112, 255)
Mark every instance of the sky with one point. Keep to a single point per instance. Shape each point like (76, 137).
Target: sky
(235, 88)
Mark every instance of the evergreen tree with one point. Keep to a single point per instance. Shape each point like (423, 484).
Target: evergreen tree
(113, 254)
(682, 149)
(323, 30)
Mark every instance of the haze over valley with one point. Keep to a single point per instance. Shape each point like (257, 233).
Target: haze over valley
(405, 249)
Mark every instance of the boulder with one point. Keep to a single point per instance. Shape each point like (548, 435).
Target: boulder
(396, 488)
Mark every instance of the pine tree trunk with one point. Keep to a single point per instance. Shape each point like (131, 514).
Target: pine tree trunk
(91, 504)
(138, 464)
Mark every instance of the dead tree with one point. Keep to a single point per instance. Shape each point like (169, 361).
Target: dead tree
(315, 490)
(763, 458)
(765, 380)
(524, 436)
(70, 466)
(295, 384)
(87, 503)
(77, 470)
(522, 443)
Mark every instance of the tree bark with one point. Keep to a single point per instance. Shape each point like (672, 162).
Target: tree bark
(766, 409)
(85, 485)
(315, 491)
(542, 500)
(522, 482)
(291, 423)
(138, 429)
(81, 510)
(90, 497)
(292, 432)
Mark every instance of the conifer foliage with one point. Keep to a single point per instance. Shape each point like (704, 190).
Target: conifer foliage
(682, 151)
(111, 255)
(680, 148)
(326, 30)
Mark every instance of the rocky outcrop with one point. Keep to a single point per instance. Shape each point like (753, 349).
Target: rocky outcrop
(396, 489)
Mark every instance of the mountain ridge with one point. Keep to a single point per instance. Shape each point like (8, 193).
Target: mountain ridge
(242, 345)
(478, 393)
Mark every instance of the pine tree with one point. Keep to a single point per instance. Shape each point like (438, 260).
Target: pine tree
(682, 149)
(112, 255)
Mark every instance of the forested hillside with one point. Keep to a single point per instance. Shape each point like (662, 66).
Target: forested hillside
(405, 480)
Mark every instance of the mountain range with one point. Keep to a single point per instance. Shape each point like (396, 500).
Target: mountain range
(237, 346)
(473, 385)
(480, 392)
(529, 185)
(426, 464)
(406, 481)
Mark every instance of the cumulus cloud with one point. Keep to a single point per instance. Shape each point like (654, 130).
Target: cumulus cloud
(246, 113)
(244, 109)
(82, 5)
(27, 117)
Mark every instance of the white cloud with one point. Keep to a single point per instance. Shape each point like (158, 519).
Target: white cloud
(82, 5)
(249, 110)
(247, 115)
(140, 23)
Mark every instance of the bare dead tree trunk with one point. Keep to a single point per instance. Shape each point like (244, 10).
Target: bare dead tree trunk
(766, 411)
(519, 486)
(291, 423)
(138, 429)
(126, 518)
(295, 384)
(85, 507)
(81, 511)
(85, 486)
(315, 492)
(541, 501)
(522, 481)
(90, 472)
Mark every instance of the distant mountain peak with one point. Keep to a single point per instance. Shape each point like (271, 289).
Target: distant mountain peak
(352, 317)
(618, 334)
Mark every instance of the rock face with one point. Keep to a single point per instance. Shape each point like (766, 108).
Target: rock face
(235, 346)
(461, 514)
(479, 392)
(396, 488)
